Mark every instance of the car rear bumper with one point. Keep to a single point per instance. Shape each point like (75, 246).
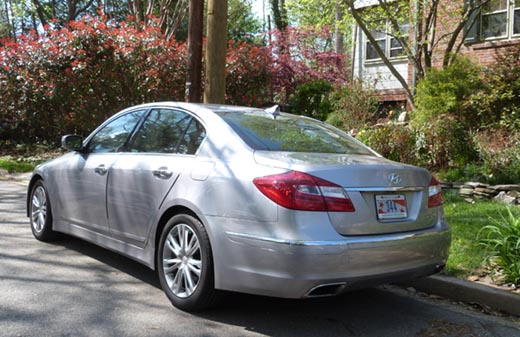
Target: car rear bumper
(270, 266)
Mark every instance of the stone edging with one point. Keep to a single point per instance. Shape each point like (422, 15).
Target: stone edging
(470, 191)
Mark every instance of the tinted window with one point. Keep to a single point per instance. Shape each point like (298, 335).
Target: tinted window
(114, 135)
(192, 138)
(261, 131)
(168, 131)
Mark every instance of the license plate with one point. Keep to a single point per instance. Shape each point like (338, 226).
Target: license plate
(391, 206)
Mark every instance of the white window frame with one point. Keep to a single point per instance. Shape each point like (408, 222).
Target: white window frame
(388, 38)
(512, 7)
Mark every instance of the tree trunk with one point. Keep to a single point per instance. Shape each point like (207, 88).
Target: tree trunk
(10, 20)
(338, 46)
(193, 83)
(279, 16)
(135, 10)
(41, 12)
(216, 43)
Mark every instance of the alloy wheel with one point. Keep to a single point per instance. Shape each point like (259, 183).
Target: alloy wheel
(39, 209)
(182, 260)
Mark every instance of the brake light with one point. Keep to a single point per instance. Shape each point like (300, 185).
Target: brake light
(434, 194)
(302, 191)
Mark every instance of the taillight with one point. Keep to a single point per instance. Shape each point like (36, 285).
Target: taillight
(434, 193)
(302, 191)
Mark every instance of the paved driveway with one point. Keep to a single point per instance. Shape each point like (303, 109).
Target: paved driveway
(72, 288)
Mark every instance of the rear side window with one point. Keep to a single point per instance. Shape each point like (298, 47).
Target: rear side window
(285, 132)
(168, 131)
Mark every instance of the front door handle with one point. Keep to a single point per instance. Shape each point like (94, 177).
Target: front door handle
(162, 173)
(101, 170)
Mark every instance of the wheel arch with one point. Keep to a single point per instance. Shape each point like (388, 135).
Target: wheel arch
(165, 217)
(34, 179)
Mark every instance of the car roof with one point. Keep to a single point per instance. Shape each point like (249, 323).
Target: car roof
(196, 106)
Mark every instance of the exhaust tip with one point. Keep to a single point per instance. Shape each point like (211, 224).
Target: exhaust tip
(439, 268)
(330, 289)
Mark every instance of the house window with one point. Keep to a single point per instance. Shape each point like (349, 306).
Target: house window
(380, 38)
(386, 41)
(494, 18)
(516, 17)
(497, 19)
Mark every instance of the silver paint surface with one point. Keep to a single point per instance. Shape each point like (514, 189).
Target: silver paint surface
(120, 201)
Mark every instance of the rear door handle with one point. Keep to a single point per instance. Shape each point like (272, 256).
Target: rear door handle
(101, 170)
(162, 173)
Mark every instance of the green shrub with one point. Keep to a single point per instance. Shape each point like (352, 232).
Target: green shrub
(499, 152)
(443, 143)
(395, 142)
(444, 92)
(498, 103)
(502, 241)
(468, 172)
(312, 99)
(353, 106)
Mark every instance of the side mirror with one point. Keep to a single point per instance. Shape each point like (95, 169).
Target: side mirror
(72, 142)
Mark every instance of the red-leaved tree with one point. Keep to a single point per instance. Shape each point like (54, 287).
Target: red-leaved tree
(70, 79)
(73, 78)
(304, 55)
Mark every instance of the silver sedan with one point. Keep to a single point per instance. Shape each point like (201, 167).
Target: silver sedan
(241, 199)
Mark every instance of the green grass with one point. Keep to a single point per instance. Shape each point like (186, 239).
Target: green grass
(23, 159)
(13, 166)
(467, 256)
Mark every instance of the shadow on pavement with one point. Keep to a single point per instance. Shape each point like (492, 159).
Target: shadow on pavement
(105, 256)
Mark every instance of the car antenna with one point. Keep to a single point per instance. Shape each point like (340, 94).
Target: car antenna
(273, 111)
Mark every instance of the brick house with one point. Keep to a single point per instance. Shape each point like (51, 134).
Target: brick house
(494, 26)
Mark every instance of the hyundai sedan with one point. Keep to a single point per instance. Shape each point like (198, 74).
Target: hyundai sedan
(241, 199)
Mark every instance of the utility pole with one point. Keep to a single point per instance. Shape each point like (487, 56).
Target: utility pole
(216, 45)
(195, 26)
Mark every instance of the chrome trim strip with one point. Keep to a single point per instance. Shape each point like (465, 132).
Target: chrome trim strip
(347, 241)
(384, 189)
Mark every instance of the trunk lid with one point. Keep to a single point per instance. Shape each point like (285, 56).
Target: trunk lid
(389, 197)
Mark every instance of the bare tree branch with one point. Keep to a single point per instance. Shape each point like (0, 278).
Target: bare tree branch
(452, 50)
(362, 25)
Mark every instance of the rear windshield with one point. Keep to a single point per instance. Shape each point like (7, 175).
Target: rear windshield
(286, 132)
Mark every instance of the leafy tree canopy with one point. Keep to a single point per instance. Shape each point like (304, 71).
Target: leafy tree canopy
(243, 25)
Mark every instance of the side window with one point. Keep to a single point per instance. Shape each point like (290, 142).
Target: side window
(114, 135)
(168, 131)
(192, 138)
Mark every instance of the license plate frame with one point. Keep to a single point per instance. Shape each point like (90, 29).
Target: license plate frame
(391, 206)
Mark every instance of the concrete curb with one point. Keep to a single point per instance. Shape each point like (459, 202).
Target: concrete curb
(468, 292)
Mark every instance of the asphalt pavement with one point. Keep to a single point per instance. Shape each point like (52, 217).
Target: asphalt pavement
(73, 288)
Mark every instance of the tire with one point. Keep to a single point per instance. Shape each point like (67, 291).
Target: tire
(40, 213)
(185, 264)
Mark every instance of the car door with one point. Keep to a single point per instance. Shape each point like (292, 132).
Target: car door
(142, 176)
(83, 181)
